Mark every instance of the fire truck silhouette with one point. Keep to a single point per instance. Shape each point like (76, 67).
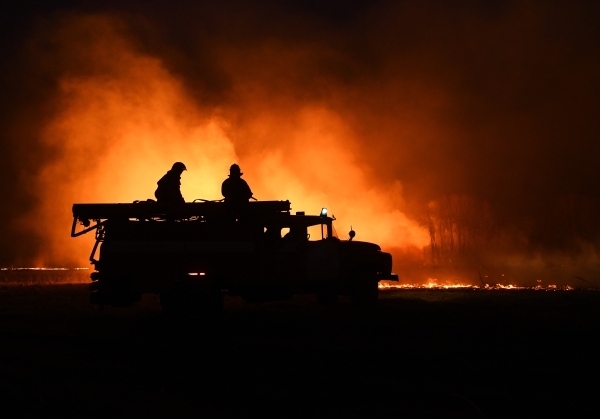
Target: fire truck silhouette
(192, 253)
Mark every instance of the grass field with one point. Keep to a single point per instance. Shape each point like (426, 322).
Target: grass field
(421, 353)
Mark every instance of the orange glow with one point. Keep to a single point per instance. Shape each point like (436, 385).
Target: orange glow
(119, 128)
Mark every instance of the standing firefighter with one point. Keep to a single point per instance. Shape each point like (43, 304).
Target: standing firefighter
(168, 191)
(235, 189)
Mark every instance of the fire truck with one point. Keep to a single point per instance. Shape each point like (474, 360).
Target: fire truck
(192, 254)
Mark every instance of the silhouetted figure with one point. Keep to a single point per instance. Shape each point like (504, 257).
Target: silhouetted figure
(168, 191)
(235, 189)
(296, 234)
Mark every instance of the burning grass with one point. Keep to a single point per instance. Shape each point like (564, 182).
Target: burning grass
(44, 276)
(434, 285)
(49, 276)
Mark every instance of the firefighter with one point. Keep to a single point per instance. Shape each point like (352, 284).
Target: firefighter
(168, 191)
(235, 189)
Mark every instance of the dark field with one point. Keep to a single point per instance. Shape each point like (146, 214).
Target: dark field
(419, 354)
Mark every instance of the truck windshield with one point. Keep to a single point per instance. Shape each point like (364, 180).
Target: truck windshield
(334, 232)
(314, 233)
(319, 232)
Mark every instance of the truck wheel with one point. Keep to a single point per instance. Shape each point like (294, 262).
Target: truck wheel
(365, 290)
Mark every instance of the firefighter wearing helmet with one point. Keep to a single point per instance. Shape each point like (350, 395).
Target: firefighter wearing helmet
(168, 191)
(234, 188)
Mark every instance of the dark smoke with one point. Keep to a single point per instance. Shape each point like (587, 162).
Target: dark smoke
(494, 101)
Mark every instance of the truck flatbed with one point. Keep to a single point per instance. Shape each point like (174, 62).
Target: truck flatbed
(146, 209)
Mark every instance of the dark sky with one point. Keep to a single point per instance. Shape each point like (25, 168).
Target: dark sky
(494, 100)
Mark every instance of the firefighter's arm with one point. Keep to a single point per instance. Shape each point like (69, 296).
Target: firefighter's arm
(248, 191)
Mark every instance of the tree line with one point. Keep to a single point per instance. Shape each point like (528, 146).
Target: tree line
(463, 229)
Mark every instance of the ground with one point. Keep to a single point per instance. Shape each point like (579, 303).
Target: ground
(419, 354)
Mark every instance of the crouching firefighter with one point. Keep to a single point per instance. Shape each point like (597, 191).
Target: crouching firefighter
(168, 191)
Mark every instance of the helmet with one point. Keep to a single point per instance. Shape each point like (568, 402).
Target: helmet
(178, 166)
(234, 170)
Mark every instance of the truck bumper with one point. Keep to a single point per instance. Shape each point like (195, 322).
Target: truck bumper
(388, 277)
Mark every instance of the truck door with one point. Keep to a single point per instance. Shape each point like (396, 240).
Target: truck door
(322, 260)
(278, 257)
